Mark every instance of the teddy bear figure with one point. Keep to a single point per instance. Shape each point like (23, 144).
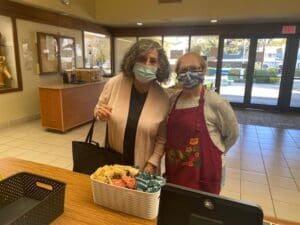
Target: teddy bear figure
(4, 74)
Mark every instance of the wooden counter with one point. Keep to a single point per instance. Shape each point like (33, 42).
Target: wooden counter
(68, 105)
(79, 205)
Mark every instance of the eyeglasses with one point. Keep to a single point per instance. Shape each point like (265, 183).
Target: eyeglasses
(185, 69)
(145, 59)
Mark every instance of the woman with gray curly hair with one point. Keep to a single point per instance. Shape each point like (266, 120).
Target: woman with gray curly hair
(135, 106)
(138, 53)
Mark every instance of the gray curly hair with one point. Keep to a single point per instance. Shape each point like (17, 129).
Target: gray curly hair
(142, 48)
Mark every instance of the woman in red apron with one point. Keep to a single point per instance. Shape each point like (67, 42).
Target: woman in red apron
(192, 158)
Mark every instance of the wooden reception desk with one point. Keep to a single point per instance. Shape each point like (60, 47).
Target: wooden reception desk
(80, 208)
(65, 106)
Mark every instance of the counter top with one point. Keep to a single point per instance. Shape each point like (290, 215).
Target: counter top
(79, 205)
(67, 86)
(80, 208)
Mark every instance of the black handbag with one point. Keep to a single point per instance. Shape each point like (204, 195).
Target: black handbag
(89, 156)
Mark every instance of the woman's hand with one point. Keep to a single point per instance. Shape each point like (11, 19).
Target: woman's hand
(150, 168)
(103, 112)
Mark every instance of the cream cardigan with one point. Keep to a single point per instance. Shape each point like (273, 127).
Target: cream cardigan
(151, 133)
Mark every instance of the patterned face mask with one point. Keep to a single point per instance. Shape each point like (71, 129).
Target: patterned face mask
(144, 73)
(190, 79)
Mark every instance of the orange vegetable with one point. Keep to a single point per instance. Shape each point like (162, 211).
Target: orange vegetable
(118, 182)
(129, 181)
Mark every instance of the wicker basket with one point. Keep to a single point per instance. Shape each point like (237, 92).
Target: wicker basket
(29, 199)
(133, 202)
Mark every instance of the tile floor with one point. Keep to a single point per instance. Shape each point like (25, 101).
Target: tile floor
(263, 167)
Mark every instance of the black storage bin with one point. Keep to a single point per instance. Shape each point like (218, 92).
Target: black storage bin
(30, 199)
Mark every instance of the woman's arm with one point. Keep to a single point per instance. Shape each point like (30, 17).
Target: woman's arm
(229, 125)
(159, 147)
(102, 110)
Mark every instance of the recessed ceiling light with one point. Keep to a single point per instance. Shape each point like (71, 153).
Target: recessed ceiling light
(139, 23)
(214, 21)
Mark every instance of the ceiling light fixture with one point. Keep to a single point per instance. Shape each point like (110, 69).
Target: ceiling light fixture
(139, 23)
(66, 2)
(95, 34)
(214, 21)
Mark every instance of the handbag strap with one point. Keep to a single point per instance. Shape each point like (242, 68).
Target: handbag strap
(89, 137)
(106, 144)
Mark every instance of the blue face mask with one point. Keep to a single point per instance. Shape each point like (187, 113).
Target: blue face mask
(144, 73)
(190, 79)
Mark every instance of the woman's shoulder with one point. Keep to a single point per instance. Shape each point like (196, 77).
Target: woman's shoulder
(215, 100)
(117, 80)
(212, 95)
(160, 91)
(173, 97)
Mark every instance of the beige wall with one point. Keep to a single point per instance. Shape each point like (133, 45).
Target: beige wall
(84, 9)
(23, 105)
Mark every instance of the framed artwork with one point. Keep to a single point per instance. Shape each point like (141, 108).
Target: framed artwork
(67, 53)
(48, 54)
(10, 71)
(55, 53)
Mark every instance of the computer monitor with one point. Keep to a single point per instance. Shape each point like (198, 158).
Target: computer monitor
(184, 206)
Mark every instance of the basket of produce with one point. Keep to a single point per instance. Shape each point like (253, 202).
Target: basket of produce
(27, 198)
(126, 189)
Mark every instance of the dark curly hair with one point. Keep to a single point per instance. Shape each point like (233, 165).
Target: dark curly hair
(142, 48)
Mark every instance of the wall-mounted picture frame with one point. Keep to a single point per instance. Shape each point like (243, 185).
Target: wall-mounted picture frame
(55, 53)
(48, 53)
(67, 53)
(10, 70)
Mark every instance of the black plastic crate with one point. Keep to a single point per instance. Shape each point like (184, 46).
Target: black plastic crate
(30, 199)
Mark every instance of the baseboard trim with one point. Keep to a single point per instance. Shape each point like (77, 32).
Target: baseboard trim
(19, 121)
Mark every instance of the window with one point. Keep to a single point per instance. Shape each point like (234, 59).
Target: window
(122, 45)
(234, 68)
(175, 46)
(267, 71)
(295, 98)
(154, 38)
(97, 49)
(207, 46)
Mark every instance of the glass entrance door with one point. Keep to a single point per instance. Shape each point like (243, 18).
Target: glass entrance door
(234, 69)
(261, 88)
(267, 71)
(295, 97)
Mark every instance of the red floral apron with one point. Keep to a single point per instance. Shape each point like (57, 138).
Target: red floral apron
(192, 159)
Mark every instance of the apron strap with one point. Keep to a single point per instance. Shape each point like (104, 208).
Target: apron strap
(175, 102)
(201, 99)
(200, 108)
